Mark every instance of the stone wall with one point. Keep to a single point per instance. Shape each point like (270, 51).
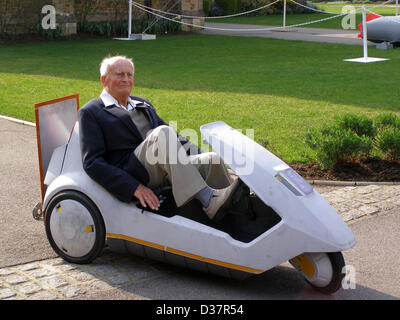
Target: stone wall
(18, 16)
(192, 8)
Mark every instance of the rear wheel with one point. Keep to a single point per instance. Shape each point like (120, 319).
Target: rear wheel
(74, 227)
(323, 271)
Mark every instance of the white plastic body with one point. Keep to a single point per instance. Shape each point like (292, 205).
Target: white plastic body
(309, 223)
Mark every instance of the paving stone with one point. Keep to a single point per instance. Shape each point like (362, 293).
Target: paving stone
(43, 295)
(340, 208)
(346, 216)
(28, 288)
(14, 279)
(55, 262)
(382, 196)
(349, 189)
(71, 291)
(368, 210)
(356, 213)
(362, 190)
(372, 187)
(97, 285)
(334, 199)
(65, 267)
(6, 272)
(6, 293)
(393, 192)
(81, 276)
(347, 195)
(384, 206)
(53, 282)
(353, 204)
(41, 273)
(395, 201)
(367, 200)
(28, 266)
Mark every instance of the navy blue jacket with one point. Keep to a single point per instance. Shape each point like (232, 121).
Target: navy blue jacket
(108, 138)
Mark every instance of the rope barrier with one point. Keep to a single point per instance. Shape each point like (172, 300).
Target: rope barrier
(153, 12)
(237, 30)
(156, 20)
(199, 17)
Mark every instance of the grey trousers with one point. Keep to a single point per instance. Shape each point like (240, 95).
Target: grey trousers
(162, 154)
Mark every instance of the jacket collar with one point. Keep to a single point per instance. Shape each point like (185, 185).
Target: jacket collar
(109, 101)
(121, 112)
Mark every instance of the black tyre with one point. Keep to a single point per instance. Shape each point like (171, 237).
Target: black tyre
(74, 227)
(322, 271)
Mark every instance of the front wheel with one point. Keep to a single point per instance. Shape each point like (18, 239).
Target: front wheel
(74, 227)
(323, 271)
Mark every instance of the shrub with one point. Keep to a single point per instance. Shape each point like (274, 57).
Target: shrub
(229, 6)
(333, 143)
(216, 11)
(120, 28)
(359, 124)
(388, 141)
(351, 136)
(386, 120)
(51, 34)
(278, 7)
(248, 5)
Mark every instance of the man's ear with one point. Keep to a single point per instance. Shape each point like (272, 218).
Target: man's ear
(103, 80)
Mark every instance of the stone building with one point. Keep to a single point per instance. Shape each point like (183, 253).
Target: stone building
(24, 16)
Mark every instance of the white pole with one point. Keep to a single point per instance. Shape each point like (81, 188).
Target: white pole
(284, 13)
(130, 19)
(364, 34)
(397, 7)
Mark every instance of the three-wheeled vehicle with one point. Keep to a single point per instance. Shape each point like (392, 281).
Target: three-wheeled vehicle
(277, 217)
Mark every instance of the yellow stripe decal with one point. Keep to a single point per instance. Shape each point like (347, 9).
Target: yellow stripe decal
(232, 266)
(186, 254)
(146, 243)
(183, 253)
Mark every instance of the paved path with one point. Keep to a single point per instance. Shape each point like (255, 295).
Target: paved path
(302, 34)
(29, 269)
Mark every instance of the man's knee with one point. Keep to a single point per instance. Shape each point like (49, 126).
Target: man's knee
(207, 158)
(215, 158)
(163, 129)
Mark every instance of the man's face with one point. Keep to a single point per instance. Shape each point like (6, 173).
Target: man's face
(119, 80)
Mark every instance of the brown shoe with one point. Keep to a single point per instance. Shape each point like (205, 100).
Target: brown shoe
(220, 200)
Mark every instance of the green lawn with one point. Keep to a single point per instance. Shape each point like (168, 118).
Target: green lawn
(278, 88)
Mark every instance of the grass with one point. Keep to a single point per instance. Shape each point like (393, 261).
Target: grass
(294, 19)
(278, 88)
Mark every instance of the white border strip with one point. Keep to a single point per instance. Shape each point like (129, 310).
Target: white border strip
(18, 121)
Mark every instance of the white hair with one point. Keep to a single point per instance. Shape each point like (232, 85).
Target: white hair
(109, 61)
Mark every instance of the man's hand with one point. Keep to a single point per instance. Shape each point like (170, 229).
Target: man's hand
(147, 196)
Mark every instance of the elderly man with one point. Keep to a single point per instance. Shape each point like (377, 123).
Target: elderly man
(129, 150)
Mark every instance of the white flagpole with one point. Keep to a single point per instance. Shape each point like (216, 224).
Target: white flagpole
(365, 59)
(284, 14)
(364, 28)
(130, 19)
